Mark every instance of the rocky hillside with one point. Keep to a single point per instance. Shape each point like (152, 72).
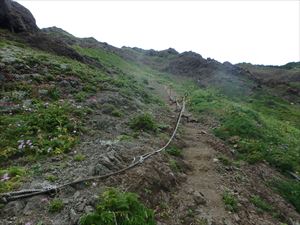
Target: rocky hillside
(73, 108)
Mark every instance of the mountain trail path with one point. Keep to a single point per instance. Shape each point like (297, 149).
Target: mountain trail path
(201, 193)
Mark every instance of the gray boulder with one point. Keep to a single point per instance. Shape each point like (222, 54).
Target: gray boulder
(16, 17)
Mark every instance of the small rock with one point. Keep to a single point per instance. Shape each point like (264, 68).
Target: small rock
(93, 200)
(76, 195)
(34, 203)
(64, 83)
(64, 66)
(73, 217)
(27, 103)
(88, 209)
(66, 201)
(227, 222)
(199, 198)
(236, 217)
(215, 160)
(81, 207)
(13, 208)
(234, 139)
(98, 169)
(190, 190)
(43, 92)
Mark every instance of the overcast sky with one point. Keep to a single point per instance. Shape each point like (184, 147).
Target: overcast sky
(260, 32)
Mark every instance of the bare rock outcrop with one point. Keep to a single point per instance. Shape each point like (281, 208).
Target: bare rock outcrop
(16, 17)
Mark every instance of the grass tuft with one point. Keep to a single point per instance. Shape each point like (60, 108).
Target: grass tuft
(144, 122)
(230, 202)
(119, 208)
(56, 205)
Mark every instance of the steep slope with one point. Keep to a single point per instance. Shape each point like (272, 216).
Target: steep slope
(73, 108)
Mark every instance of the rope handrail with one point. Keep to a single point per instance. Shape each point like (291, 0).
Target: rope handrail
(12, 196)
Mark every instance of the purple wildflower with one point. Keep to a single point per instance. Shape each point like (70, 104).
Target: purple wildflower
(5, 177)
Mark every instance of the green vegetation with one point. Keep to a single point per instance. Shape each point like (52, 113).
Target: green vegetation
(122, 208)
(127, 72)
(144, 122)
(262, 132)
(56, 205)
(230, 202)
(290, 190)
(175, 166)
(225, 160)
(262, 128)
(174, 151)
(81, 96)
(202, 221)
(46, 129)
(111, 110)
(79, 157)
(51, 178)
(11, 178)
(260, 203)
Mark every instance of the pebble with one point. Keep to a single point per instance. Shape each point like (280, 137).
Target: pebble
(76, 195)
(199, 198)
(13, 208)
(215, 160)
(88, 209)
(73, 216)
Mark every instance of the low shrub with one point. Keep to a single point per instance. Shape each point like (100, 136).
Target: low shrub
(121, 208)
(290, 190)
(260, 203)
(174, 165)
(144, 122)
(111, 110)
(56, 205)
(79, 157)
(11, 178)
(230, 202)
(174, 151)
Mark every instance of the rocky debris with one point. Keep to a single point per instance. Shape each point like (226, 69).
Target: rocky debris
(199, 198)
(35, 203)
(13, 209)
(73, 216)
(110, 161)
(16, 17)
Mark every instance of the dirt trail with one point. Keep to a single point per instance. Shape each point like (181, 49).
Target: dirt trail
(198, 200)
(203, 178)
(201, 193)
